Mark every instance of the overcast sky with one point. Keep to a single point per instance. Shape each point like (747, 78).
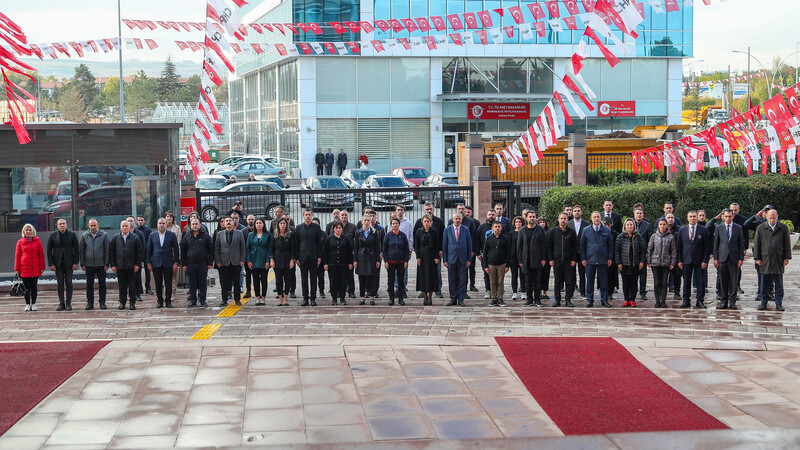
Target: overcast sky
(769, 27)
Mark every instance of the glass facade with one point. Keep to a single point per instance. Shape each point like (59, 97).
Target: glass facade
(497, 76)
(366, 80)
(323, 12)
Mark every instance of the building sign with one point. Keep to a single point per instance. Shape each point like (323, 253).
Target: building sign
(508, 111)
(616, 109)
(739, 90)
(187, 206)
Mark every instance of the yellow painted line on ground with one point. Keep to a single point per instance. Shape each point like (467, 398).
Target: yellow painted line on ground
(207, 331)
(233, 308)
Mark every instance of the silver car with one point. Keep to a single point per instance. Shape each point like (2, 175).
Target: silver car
(326, 201)
(242, 170)
(403, 196)
(356, 177)
(263, 203)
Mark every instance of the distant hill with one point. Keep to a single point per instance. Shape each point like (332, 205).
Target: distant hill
(65, 68)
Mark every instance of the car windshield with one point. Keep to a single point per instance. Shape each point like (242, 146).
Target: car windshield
(272, 164)
(450, 181)
(389, 182)
(361, 175)
(416, 173)
(211, 183)
(329, 183)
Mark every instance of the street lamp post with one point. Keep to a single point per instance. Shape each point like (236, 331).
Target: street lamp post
(748, 72)
(777, 68)
(121, 84)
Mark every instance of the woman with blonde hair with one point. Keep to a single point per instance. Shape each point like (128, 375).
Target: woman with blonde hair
(29, 264)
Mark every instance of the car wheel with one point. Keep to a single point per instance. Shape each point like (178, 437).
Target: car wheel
(270, 212)
(209, 214)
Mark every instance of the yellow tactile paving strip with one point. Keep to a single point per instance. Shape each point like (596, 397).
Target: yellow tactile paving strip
(207, 331)
(229, 311)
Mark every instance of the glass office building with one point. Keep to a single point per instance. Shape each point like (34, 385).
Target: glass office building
(408, 107)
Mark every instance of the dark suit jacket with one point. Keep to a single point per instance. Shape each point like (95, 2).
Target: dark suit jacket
(70, 252)
(531, 250)
(616, 223)
(124, 254)
(162, 255)
(597, 247)
(309, 241)
(459, 251)
(693, 252)
(579, 232)
(733, 249)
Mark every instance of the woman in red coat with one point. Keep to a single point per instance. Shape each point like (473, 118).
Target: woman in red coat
(29, 264)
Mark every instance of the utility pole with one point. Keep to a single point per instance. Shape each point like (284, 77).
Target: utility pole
(749, 102)
(121, 84)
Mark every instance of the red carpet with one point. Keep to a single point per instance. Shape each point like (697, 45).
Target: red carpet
(29, 372)
(595, 386)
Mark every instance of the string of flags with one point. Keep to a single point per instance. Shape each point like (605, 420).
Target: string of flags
(778, 141)
(17, 98)
(726, 80)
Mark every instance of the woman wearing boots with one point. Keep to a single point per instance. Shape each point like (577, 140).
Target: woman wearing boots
(367, 259)
(282, 259)
(29, 264)
(629, 254)
(662, 255)
(337, 260)
(395, 256)
(427, 247)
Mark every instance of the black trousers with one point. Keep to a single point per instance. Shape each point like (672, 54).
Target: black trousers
(642, 282)
(328, 170)
(64, 280)
(517, 277)
(126, 278)
(259, 281)
(337, 275)
(660, 276)
(248, 277)
(693, 273)
(564, 274)
(282, 280)
(533, 284)
(728, 281)
(229, 279)
(580, 281)
(544, 273)
(320, 169)
(321, 280)
(471, 270)
(367, 285)
(142, 272)
(675, 279)
(31, 289)
(396, 269)
(308, 278)
(629, 286)
(91, 273)
(163, 279)
(351, 282)
(291, 281)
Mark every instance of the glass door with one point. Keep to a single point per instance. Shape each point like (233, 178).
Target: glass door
(450, 150)
(150, 198)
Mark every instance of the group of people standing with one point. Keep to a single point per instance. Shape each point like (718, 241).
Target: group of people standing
(325, 161)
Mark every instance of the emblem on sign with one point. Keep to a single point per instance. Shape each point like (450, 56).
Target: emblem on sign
(477, 111)
(605, 109)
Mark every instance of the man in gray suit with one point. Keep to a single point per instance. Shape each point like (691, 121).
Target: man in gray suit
(229, 255)
(729, 247)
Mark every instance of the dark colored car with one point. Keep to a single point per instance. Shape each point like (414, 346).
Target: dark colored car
(356, 177)
(403, 196)
(222, 201)
(108, 204)
(451, 197)
(323, 201)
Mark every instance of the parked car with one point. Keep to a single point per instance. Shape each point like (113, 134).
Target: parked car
(92, 179)
(242, 170)
(108, 204)
(325, 201)
(213, 206)
(451, 198)
(209, 170)
(64, 189)
(211, 182)
(414, 175)
(389, 200)
(243, 159)
(113, 176)
(355, 177)
(272, 179)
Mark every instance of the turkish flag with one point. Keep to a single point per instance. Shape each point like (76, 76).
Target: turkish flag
(353, 46)
(540, 29)
(337, 27)
(257, 27)
(577, 63)
(536, 10)
(194, 46)
(471, 21)
(456, 37)
(303, 26)
(150, 25)
(516, 13)
(572, 7)
(291, 27)
(410, 25)
(430, 41)
(552, 8)
(396, 25)
(794, 104)
(131, 25)
(382, 25)
(588, 5)
(671, 5)
(423, 23)
(315, 28)
(486, 18)
(352, 26)
(439, 23)
(183, 25)
(455, 22)
(279, 27)
(366, 26)
(182, 45)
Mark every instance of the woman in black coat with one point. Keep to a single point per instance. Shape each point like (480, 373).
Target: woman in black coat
(367, 259)
(545, 272)
(337, 260)
(517, 275)
(282, 259)
(427, 246)
(630, 254)
(395, 256)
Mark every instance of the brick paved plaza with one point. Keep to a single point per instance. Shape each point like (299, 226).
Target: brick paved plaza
(398, 376)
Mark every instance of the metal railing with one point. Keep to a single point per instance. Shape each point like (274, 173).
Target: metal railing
(211, 205)
(609, 161)
(531, 180)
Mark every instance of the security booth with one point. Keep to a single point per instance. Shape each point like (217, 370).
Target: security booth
(82, 171)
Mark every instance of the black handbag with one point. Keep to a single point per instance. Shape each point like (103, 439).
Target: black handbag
(17, 287)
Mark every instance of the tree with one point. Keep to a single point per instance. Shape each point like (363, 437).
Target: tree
(72, 106)
(169, 84)
(84, 83)
(221, 92)
(140, 96)
(190, 91)
(693, 104)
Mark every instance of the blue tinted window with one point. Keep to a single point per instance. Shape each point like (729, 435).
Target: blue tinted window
(400, 10)
(382, 11)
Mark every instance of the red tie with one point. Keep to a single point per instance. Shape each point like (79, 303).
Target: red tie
(457, 234)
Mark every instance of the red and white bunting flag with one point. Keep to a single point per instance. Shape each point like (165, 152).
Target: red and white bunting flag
(439, 23)
(151, 44)
(572, 86)
(555, 25)
(338, 27)
(455, 22)
(536, 10)
(500, 163)
(150, 25)
(352, 26)
(353, 46)
(197, 26)
(140, 24)
(220, 11)
(794, 104)
(781, 118)
(486, 18)
(552, 9)
(644, 162)
(182, 45)
(424, 24)
(129, 23)
(540, 29)
(396, 25)
(535, 135)
(564, 91)
(552, 119)
(430, 41)
(510, 160)
(567, 118)
(279, 27)
(610, 57)
(603, 30)
(63, 49)
(404, 42)
(410, 25)
(290, 27)
(136, 41)
(281, 48)
(482, 36)
(329, 47)
(456, 37)
(194, 46)
(377, 45)
(257, 28)
(305, 48)
(572, 24)
(314, 27)
(516, 14)
(382, 25)
(257, 48)
(509, 31)
(366, 26)
(671, 5)
(37, 50)
(185, 26)
(471, 21)
(572, 7)
(635, 155)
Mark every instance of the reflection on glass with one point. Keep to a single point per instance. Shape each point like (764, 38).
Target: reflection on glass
(483, 75)
(512, 75)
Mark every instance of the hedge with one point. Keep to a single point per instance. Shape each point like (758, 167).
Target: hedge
(601, 176)
(752, 193)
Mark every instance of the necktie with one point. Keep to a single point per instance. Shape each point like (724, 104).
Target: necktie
(729, 233)
(596, 229)
(691, 233)
(457, 234)
(229, 236)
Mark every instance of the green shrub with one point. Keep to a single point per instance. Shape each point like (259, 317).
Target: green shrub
(789, 225)
(752, 193)
(601, 176)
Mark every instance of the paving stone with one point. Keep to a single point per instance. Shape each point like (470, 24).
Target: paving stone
(400, 427)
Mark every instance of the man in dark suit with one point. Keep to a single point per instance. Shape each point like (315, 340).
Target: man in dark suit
(772, 250)
(310, 238)
(616, 219)
(319, 160)
(162, 259)
(145, 230)
(137, 276)
(498, 212)
(693, 250)
(645, 230)
(229, 253)
(125, 255)
(456, 255)
(63, 254)
(597, 251)
(562, 252)
(738, 219)
(578, 225)
(329, 162)
(729, 248)
(472, 226)
(532, 257)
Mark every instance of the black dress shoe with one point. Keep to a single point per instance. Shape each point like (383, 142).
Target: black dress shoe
(401, 302)
(556, 304)
(169, 304)
(342, 301)
(733, 306)
(528, 303)
(589, 305)
(191, 304)
(133, 307)
(461, 303)
(362, 302)
(606, 304)
(439, 294)
(372, 302)
(237, 302)
(352, 295)
(68, 307)
(569, 304)
(780, 308)
(452, 303)
(103, 306)
(121, 306)
(537, 303)
(291, 295)
(473, 289)
(762, 307)
(149, 291)
(313, 302)
(160, 305)
(305, 302)
(333, 302)
(138, 298)
(466, 296)
(89, 307)
(203, 303)
(723, 306)
(247, 294)
(700, 305)
(321, 295)
(223, 304)
(391, 302)
(61, 308)
(685, 305)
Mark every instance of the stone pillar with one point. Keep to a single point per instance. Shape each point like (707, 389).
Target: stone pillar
(481, 191)
(669, 137)
(475, 148)
(576, 152)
